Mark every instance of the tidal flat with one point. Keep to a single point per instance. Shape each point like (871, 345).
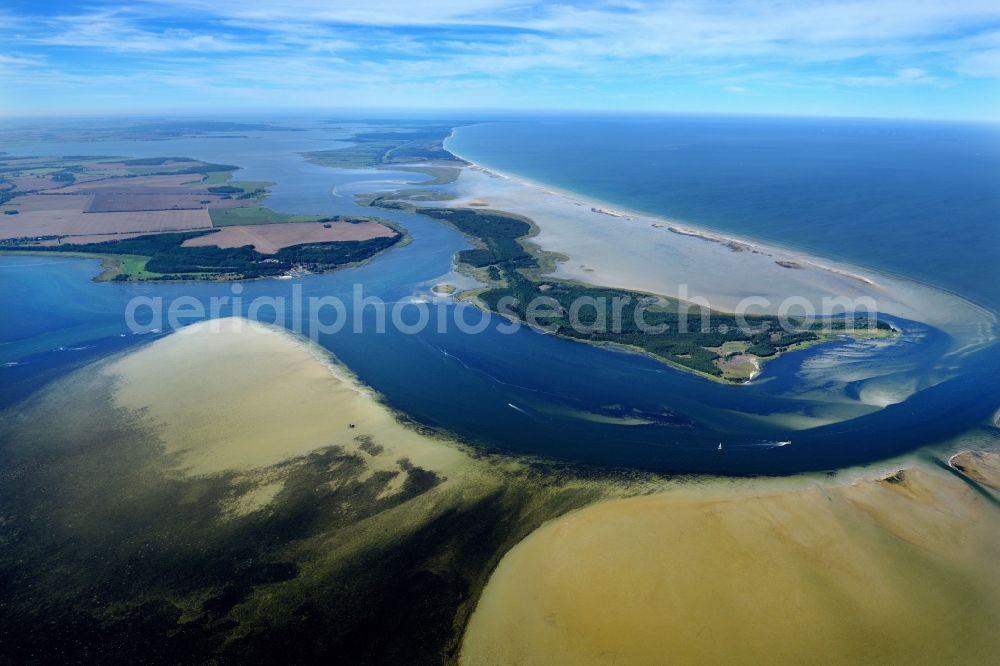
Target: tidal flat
(228, 492)
(231, 492)
(898, 569)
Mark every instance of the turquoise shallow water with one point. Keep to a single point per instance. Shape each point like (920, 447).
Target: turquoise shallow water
(524, 392)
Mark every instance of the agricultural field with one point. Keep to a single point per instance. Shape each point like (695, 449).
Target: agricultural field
(83, 199)
(260, 215)
(269, 238)
(170, 218)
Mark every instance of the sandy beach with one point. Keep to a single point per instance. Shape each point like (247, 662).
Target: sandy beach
(608, 245)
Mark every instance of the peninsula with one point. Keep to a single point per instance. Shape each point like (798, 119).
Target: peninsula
(171, 218)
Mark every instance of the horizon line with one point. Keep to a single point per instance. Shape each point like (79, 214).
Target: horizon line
(453, 113)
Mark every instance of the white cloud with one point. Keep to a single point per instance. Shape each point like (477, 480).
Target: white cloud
(512, 35)
(111, 32)
(17, 60)
(982, 64)
(742, 48)
(905, 76)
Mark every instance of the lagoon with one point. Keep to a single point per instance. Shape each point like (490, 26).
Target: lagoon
(527, 392)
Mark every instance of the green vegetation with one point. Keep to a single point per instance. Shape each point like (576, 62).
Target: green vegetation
(374, 149)
(212, 178)
(251, 186)
(241, 190)
(154, 161)
(112, 265)
(227, 217)
(668, 329)
(415, 194)
(440, 175)
(168, 168)
(63, 177)
(161, 257)
(497, 233)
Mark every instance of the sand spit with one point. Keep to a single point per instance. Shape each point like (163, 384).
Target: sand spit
(983, 466)
(641, 252)
(215, 414)
(894, 570)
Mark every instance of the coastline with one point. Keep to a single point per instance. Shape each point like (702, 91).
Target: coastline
(683, 227)
(260, 443)
(113, 265)
(560, 214)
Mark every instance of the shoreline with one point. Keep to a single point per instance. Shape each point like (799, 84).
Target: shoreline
(112, 264)
(278, 453)
(682, 227)
(907, 297)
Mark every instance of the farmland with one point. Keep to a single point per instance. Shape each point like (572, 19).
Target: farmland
(147, 219)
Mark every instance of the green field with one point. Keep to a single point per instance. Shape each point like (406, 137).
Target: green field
(228, 217)
(129, 266)
(440, 175)
(213, 178)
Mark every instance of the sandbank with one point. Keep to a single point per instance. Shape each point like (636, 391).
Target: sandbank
(900, 569)
(231, 441)
(232, 394)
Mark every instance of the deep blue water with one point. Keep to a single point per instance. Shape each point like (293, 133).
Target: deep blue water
(917, 199)
(525, 392)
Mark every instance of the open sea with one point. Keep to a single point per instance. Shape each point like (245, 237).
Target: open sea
(919, 200)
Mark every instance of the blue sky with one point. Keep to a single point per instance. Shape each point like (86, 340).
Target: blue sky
(872, 58)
